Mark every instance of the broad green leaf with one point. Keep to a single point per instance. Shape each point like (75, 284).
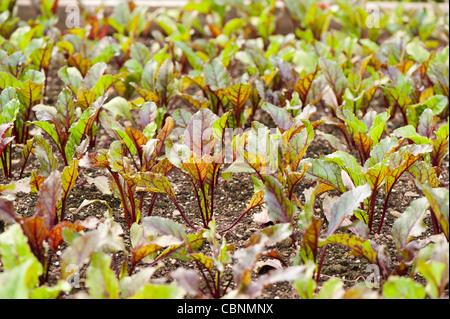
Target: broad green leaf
(349, 164)
(346, 205)
(326, 172)
(436, 274)
(53, 292)
(44, 154)
(410, 132)
(156, 183)
(400, 161)
(165, 227)
(18, 282)
(30, 93)
(159, 291)
(280, 208)
(281, 117)
(403, 288)
(359, 246)
(238, 94)
(410, 224)
(71, 77)
(424, 173)
(335, 77)
(14, 248)
(216, 75)
(417, 51)
(41, 57)
(101, 280)
(438, 199)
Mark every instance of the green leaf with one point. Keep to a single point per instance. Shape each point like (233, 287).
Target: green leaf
(346, 205)
(101, 279)
(403, 288)
(326, 172)
(279, 207)
(335, 77)
(216, 75)
(438, 199)
(44, 154)
(19, 281)
(359, 246)
(71, 77)
(281, 117)
(155, 291)
(238, 94)
(173, 231)
(156, 183)
(410, 223)
(30, 93)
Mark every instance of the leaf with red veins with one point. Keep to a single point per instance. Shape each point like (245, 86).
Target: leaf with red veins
(400, 161)
(310, 241)
(141, 251)
(36, 230)
(346, 205)
(49, 196)
(281, 117)
(138, 138)
(359, 246)
(156, 183)
(238, 94)
(303, 85)
(279, 207)
(199, 134)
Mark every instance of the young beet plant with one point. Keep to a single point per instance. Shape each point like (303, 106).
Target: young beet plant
(200, 154)
(44, 229)
(133, 162)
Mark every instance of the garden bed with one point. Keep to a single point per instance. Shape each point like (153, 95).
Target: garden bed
(297, 239)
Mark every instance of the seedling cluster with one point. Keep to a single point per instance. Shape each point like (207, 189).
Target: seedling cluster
(130, 100)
